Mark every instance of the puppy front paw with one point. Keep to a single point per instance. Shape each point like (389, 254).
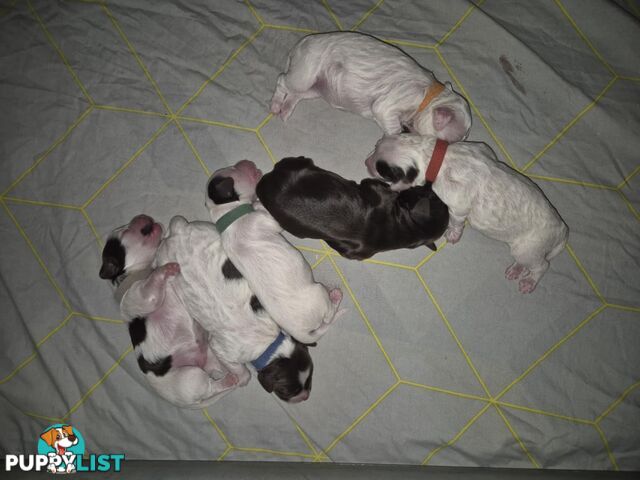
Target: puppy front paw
(230, 380)
(171, 269)
(453, 234)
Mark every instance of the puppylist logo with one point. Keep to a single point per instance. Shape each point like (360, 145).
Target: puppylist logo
(61, 450)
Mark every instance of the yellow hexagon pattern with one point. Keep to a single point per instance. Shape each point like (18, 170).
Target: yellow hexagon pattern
(455, 393)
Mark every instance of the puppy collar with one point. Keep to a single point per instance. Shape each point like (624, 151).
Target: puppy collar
(228, 218)
(437, 157)
(432, 92)
(263, 360)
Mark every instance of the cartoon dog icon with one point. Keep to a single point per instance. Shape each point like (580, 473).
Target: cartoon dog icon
(60, 439)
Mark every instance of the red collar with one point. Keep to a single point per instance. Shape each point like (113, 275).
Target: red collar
(437, 157)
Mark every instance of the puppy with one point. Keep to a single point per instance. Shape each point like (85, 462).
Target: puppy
(357, 220)
(241, 331)
(359, 73)
(60, 439)
(495, 199)
(170, 347)
(277, 273)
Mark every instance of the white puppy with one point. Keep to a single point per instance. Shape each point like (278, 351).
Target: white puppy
(172, 350)
(241, 331)
(495, 199)
(277, 273)
(357, 72)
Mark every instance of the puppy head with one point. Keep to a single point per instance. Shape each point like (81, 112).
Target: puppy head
(398, 160)
(289, 378)
(131, 247)
(233, 184)
(448, 117)
(427, 212)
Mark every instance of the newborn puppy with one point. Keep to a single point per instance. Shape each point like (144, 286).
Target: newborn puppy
(170, 347)
(240, 329)
(277, 273)
(357, 220)
(359, 73)
(495, 199)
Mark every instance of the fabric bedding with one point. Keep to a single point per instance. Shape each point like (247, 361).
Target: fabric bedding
(117, 107)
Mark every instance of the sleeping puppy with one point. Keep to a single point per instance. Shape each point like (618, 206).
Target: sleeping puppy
(495, 199)
(359, 73)
(170, 347)
(357, 220)
(276, 272)
(240, 330)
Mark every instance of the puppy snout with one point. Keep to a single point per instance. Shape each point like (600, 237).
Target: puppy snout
(72, 438)
(301, 397)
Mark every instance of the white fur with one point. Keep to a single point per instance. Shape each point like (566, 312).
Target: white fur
(238, 335)
(196, 378)
(276, 272)
(495, 199)
(359, 73)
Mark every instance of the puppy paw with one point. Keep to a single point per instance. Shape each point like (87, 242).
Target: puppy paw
(527, 285)
(453, 234)
(335, 295)
(230, 380)
(515, 271)
(171, 269)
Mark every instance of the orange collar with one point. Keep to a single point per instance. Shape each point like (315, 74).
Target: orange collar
(432, 92)
(437, 157)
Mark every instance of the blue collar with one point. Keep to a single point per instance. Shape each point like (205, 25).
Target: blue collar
(262, 361)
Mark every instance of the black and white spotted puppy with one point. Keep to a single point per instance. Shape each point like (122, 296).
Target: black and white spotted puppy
(240, 329)
(172, 350)
(275, 270)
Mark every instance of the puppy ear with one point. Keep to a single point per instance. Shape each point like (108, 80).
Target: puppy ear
(432, 246)
(220, 190)
(295, 163)
(110, 268)
(49, 436)
(442, 116)
(267, 378)
(371, 190)
(449, 124)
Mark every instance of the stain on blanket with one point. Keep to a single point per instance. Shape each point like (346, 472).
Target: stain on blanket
(508, 69)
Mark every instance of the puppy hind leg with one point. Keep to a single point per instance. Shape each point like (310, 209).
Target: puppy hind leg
(455, 228)
(191, 387)
(534, 267)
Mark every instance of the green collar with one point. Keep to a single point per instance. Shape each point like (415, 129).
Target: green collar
(228, 218)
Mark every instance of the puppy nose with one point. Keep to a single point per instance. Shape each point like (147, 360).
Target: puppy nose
(72, 438)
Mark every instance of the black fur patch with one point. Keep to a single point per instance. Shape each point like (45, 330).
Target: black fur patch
(137, 330)
(391, 174)
(220, 190)
(113, 256)
(158, 368)
(230, 271)
(411, 174)
(255, 304)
